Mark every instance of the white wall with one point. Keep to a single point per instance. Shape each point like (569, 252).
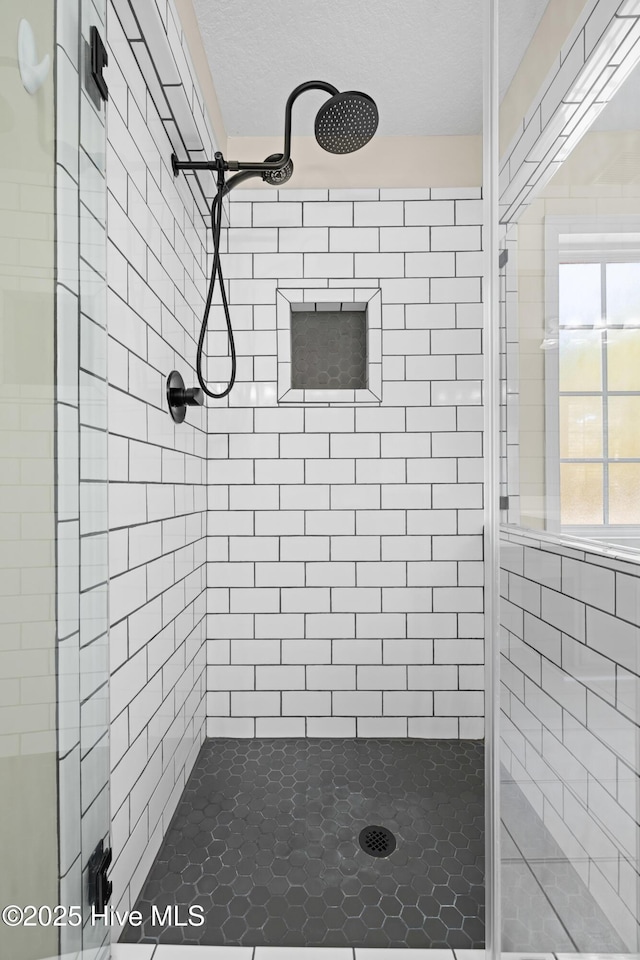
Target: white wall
(345, 542)
(157, 502)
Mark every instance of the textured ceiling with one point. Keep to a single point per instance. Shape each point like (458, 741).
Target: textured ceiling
(421, 60)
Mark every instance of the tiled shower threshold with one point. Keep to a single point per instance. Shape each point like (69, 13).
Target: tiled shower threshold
(141, 951)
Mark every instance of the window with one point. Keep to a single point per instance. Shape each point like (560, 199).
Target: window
(593, 379)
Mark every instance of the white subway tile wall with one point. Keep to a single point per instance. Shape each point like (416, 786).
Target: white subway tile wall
(570, 673)
(157, 495)
(345, 541)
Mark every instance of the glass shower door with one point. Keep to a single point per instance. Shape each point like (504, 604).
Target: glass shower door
(54, 766)
(570, 565)
(28, 766)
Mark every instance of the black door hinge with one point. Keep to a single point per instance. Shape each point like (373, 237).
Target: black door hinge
(504, 503)
(96, 59)
(99, 887)
(503, 259)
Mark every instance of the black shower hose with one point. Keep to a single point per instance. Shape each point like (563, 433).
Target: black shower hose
(216, 271)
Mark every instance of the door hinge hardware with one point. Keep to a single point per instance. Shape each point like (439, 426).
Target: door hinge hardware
(99, 887)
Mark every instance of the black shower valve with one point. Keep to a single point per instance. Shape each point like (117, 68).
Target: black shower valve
(180, 397)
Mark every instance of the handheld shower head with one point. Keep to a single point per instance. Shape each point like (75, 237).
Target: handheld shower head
(346, 122)
(277, 177)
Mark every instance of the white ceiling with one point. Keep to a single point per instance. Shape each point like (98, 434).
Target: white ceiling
(421, 60)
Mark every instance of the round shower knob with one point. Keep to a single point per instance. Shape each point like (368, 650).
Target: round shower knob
(180, 397)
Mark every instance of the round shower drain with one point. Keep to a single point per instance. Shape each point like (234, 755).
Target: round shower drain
(377, 841)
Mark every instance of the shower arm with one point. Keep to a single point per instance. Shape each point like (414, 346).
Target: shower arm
(250, 169)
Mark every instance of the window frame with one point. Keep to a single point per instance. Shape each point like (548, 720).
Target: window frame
(625, 248)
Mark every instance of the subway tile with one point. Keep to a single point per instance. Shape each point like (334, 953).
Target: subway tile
(331, 727)
(305, 599)
(457, 290)
(280, 214)
(328, 214)
(381, 625)
(328, 625)
(255, 703)
(429, 265)
(306, 651)
(279, 678)
(357, 651)
(306, 703)
(377, 265)
(456, 238)
(439, 728)
(381, 677)
(322, 265)
(331, 677)
(608, 635)
(353, 239)
(304, 497)
(628, 598)
(279, 574)
(355, 599)
(357, 703)
(273, 625)
(304, 548)
(590, 583)
(407, 703)
(543, 567)
(407, 599)
(269, 265)
(329, 522)
(382, 726)
(564, 613)
(334, 574)
(304, 239)
(280, 726)
(381, 522)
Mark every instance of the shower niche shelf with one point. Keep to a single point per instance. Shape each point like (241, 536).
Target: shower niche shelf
(329, 346)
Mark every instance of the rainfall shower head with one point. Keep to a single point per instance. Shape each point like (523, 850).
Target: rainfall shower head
(277, 177)
(346, 122)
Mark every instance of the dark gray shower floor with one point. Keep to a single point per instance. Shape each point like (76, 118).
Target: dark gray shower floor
(265, 838)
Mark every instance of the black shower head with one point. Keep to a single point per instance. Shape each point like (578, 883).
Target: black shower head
(346, 122)
(277, 177)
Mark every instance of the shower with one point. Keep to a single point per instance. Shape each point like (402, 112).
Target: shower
(344, 123)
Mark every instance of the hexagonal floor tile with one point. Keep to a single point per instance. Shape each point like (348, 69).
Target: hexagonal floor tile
(265, 839)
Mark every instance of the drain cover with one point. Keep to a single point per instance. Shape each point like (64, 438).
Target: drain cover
(377, 841)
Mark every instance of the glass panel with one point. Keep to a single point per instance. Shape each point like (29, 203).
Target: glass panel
(580, 427)
(580, 360)
(624, 493)
(54, 766)
(581, 495)
(623, 293)
(28, 766)
(624, 427)
(623, 359)
(580, 302)
(570, 658)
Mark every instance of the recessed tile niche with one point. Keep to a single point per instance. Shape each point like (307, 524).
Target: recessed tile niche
(329, 347)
